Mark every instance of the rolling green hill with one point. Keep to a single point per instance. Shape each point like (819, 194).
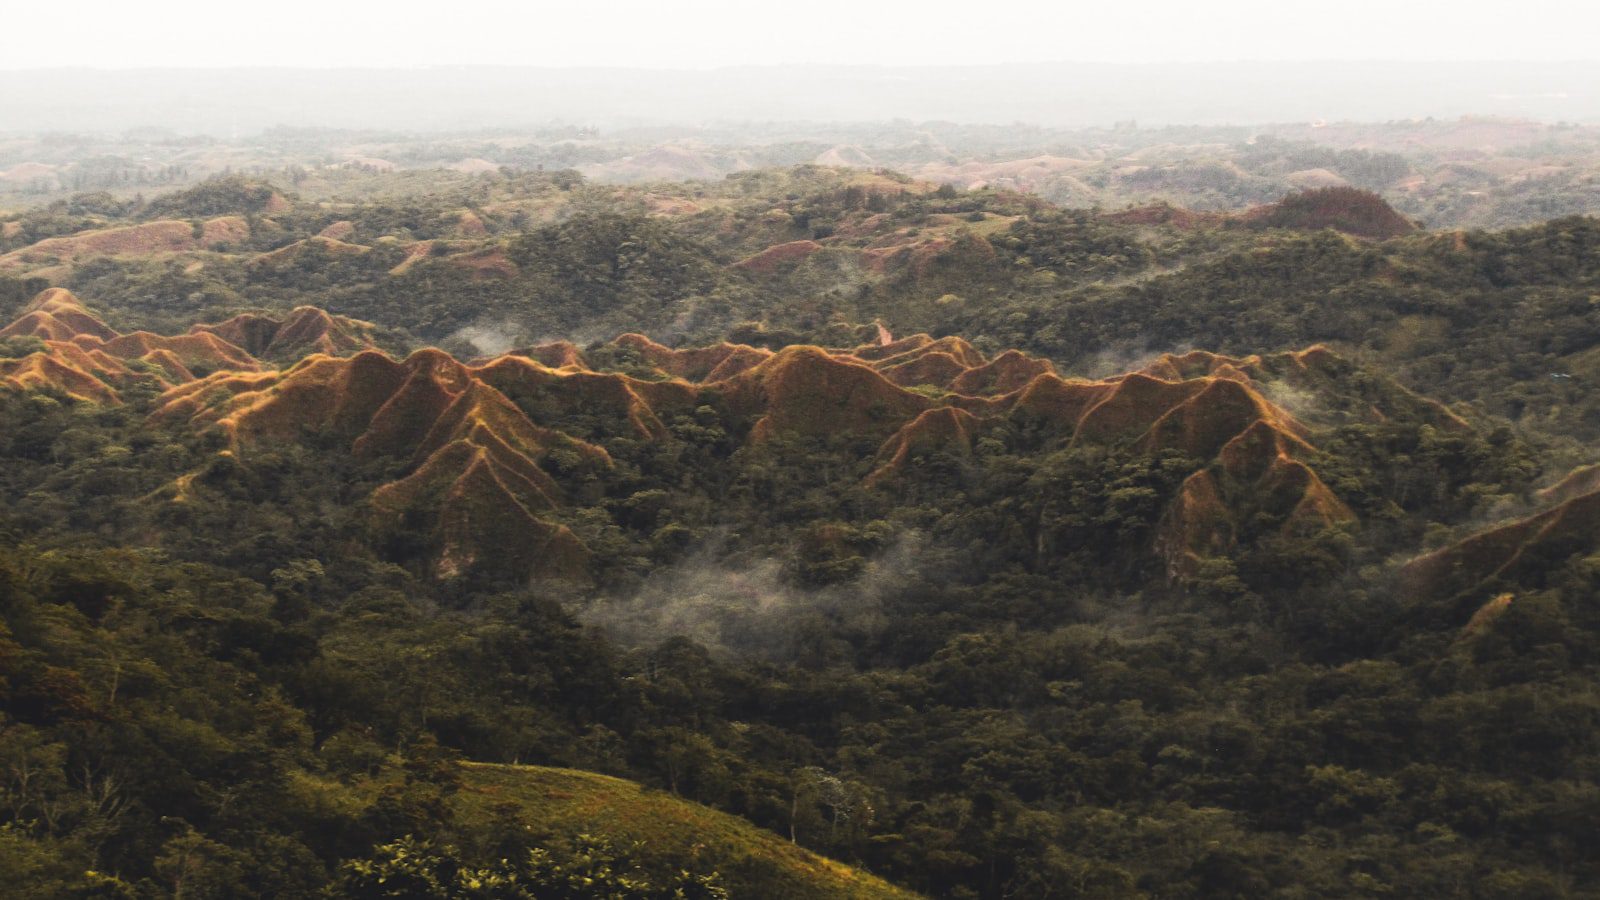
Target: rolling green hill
(753, 862)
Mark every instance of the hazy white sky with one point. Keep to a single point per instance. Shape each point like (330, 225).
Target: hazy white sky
(713, 33)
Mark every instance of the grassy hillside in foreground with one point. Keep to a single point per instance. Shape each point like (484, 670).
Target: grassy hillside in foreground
(753, 862)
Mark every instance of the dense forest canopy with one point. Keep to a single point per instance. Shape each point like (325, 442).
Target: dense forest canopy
(797, 533)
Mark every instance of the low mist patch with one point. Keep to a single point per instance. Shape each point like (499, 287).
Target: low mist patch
(753, 609)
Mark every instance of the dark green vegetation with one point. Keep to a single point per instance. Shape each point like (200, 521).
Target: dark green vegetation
(976, 680)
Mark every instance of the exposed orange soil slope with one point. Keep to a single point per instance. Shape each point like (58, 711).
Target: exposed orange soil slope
(290, 254)
(483, 451)
(555, 354)
(1211, 408)
(1579, 481)
(195, 351)
(804, 390)
(224, 230)
(1009, 371)
(488, 262)
(1521, 547)
(1207, 406)
(303, 331)
(85, 359)
(84, 380)
(474, 457)
(145, 239)
(415, 253)
(778, 256)
(1314, 371)
(947, 429)
(715, 363)
(339, 231)
(56, 315)
(1256, 469)
(478, 259)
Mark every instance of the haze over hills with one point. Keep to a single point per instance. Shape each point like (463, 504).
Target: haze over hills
(229, 102)
(1450, 172)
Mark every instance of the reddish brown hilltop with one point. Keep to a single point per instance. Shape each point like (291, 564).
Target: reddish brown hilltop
(1350, 210)
(475, 438)
(304, 331)
(56, 315)
(1213, 408)
(74, 374)
(715, 363)
(485, 452)
(805, 390)
(1009, 371)
(1256, 469)
(474, 456)
(339, 231)
(142, 240)
(480, 261)
(84, 358)
(921, 360)
(619, 404)
(1313, 372)
(291, 254)
(779, 256)
(555, 354)
(194, 351)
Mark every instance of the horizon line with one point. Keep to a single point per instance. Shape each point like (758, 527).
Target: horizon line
(601, 67)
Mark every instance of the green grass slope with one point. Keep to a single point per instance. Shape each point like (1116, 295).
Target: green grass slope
(753, 862)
